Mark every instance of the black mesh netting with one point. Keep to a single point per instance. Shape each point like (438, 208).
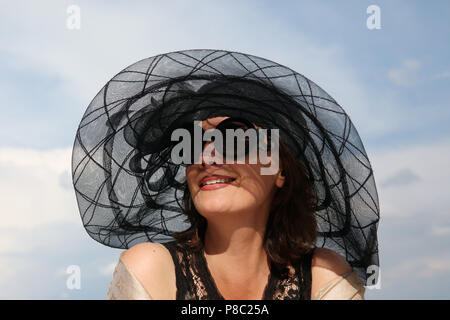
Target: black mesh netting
(129, 191)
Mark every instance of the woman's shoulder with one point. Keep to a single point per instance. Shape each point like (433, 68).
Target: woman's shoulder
(327, 259)
(152, 265)
(326, 266)
(144, 252)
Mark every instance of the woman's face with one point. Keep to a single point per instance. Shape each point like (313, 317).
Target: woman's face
(242, 188)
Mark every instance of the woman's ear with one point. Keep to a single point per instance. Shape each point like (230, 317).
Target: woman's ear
(280, 178)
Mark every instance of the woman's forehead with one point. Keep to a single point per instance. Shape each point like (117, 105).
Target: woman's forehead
(211, 123)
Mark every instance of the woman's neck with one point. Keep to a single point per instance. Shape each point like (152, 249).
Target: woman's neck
(234, 250)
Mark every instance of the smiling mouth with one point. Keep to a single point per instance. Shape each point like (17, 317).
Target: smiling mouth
(216, 181)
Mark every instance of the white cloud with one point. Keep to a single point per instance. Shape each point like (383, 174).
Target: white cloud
(12, 268)
(440, 231)
(31, 188)
(420, 268)
(33, 199)
(41, 232)
(430, 194)
(407, 74)
(34, 263)
(412, 184)
(435, 267)
(108, 269)
(402, 177)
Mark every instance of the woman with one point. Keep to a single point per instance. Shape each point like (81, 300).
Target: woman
(250, 236)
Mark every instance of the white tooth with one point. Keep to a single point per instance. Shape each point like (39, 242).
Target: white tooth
(217, 181)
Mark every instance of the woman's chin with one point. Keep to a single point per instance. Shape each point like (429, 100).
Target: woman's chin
(209, 205)
(213, 205)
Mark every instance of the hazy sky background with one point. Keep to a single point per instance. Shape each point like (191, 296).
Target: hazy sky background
(393, 82)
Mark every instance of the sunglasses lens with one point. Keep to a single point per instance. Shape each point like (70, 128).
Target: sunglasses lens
(240, 142)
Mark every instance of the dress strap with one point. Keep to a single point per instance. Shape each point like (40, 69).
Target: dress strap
(306, 275)
(295, 283)
(179, 260)
(191, 278)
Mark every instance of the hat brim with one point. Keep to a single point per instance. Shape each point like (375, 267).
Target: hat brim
(128, 191)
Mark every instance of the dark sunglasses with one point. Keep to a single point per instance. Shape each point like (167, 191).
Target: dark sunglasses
(233, 123)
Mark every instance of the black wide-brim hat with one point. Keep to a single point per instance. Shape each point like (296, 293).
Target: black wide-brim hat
(129, 191)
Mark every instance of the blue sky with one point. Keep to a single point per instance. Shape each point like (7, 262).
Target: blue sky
(393, 82)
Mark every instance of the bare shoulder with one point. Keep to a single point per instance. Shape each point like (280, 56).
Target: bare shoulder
(152, 265)
(326, 265)
(143, 255)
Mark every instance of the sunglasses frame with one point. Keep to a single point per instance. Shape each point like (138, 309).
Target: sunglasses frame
(222, 126)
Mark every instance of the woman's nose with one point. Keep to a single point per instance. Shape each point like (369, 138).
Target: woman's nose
(208, 156)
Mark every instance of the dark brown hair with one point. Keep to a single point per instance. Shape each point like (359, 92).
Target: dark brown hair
(291, 228)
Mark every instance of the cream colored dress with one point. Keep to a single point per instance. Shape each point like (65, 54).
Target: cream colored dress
(125, 286)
